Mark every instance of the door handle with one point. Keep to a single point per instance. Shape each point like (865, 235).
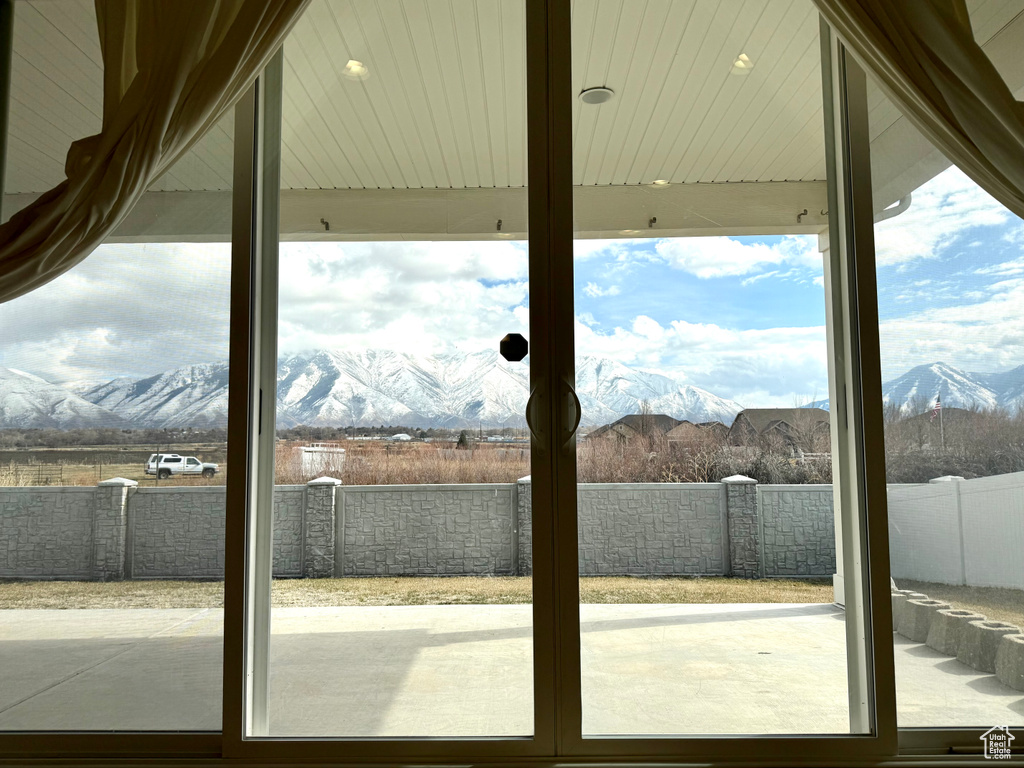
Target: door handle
(572, 413)
(533, 410)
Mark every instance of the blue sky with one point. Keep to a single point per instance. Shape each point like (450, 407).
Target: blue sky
(647, 283)
(742, 317)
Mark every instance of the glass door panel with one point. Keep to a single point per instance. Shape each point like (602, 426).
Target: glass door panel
(112, 564)
(402, 592)
(949, 267)
(707, 530)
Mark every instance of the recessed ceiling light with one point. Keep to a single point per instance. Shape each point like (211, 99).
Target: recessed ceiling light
(356, 70)
(629, 231)
(504, 235)
(661, 182)
(742, 65)
(597, 95)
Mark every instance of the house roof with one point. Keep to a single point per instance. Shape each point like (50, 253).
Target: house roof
(657, 422)
(762, 419)
(685, 426)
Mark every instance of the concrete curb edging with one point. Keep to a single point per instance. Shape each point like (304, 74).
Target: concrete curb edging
(980, 642)
(900, 611)
(917, 618)
(1010, 661)
(946, 632)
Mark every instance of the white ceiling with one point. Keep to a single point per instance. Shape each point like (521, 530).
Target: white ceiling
(444, 106)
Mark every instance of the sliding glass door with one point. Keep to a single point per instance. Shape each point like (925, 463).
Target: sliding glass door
(401, 599)
(511, 496)
(391, 562)
(706, 522)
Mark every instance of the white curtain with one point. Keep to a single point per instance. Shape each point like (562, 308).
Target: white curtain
(923, 54)
(171, 69)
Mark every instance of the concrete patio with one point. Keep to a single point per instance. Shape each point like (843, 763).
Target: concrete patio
(466, 671)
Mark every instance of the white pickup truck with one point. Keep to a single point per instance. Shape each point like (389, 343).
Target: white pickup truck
(163, 465)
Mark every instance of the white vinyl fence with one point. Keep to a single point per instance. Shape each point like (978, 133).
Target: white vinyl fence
(956, 531)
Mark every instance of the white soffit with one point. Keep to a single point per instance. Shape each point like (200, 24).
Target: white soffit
(444, 105)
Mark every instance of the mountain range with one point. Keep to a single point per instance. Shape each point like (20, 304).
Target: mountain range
(373, 387)
(333, 388)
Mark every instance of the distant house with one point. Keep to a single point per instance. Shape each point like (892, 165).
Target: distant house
(802, 430)
(688, 432)
(635, 425)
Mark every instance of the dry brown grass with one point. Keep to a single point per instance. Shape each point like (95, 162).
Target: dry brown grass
(994, 602)
(702, 458)
(712, 590)
(120, 594)
(68, 474)
(378, 462)
(457, 590)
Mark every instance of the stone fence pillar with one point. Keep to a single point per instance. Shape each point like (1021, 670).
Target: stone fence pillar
(743, 526)
(318, 535)
(522, 533)
(110, 529)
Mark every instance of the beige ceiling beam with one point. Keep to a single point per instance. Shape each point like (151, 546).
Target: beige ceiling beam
(748, 208)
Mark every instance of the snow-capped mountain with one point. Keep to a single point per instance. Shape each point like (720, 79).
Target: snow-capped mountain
(193, 396)
(608, 390)
(29, 402)
(1009, 386)
(334, 388)
(915, 390)
(823, 404)
(382, 387)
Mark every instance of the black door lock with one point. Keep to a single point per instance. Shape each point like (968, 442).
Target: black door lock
(514, 347)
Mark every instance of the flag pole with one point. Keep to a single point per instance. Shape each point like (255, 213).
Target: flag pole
(942, 434)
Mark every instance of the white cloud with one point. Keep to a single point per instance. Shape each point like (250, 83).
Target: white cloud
(609, 249)
(755, 367)
(410, 297)
(751, 280)
(1005, 269)
(595, 291)
(708, 257)
(977, 335)
(135, 310)
(939, 211)
(127, 310)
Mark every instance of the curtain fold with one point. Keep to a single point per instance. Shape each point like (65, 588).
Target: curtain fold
(923, 54)
(171, 70)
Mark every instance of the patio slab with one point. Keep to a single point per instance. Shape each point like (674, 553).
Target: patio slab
(467, 671)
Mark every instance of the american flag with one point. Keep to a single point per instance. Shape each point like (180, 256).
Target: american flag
(937, 408)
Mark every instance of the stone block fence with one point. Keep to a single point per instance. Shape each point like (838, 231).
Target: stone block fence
(120, 531)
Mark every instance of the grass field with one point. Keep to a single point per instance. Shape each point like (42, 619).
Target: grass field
(88, 465)
(456, 590)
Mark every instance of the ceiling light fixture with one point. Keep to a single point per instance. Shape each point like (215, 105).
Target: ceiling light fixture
(356, 70)
(742, 65)
(597, 95)
(629, 231)
(661, 182)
